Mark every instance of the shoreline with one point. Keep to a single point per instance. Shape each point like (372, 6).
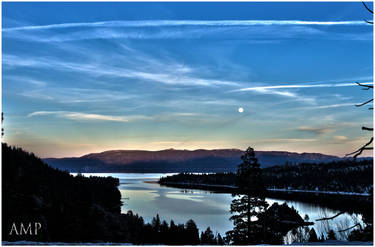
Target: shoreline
(349, 202)
(226, 188)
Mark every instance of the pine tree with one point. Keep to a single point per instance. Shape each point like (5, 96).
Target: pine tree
(156, 223)
(192, 233)
(155, 236)
(312, 235)
(164, 232)
(207, 237)
(249, 204)
(220, 240)
(322, 238)
(173, 233)
(331, 235)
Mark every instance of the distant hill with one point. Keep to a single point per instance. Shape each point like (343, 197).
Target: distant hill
(171, 160)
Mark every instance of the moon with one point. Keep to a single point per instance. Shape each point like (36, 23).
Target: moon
(240, 110)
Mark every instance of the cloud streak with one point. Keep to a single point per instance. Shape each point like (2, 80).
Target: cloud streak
(340, 138)
(332, 106)
(280, 90)
(301, 86)
(170, 77)
(161, 23)
(316, 130)
(79, 116)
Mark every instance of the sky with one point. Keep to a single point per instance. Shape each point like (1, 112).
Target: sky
(87, 77)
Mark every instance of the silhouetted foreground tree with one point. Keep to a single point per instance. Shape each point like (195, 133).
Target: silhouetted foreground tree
(312, 236)
(75, 209)
(249, 204)
(253, 222)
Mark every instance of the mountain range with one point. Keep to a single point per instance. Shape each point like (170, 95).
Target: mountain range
(172, 160)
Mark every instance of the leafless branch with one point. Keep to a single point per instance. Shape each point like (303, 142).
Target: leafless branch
(369, 22)
(369, 101)
(367, 87)
(369, 10)
(330, 218)
(367, 128)
(363, 148)
(350, 227)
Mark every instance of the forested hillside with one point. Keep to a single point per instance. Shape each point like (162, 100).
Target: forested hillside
(76, 209)
(68, 208)
(345, 175)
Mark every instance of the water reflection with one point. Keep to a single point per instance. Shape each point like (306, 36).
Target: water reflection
(143, 196)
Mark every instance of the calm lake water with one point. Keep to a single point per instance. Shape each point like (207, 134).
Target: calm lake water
(143, 196)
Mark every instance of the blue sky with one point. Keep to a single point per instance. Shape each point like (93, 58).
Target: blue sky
(88, 77)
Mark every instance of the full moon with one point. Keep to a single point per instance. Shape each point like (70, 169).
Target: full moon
(240, 110)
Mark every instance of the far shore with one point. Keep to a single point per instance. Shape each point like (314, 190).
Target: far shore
(231, 188)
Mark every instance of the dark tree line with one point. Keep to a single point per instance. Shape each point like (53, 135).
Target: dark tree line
(161, 232)
(78, 209)
(345, 175)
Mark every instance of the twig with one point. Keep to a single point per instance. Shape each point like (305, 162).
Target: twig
(369, 22)
(367, 87)
(363, 148)
(367, 128)
(350, 227)
(364, 103)
(367, 8)
(330, 218)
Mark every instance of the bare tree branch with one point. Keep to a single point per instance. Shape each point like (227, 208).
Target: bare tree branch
(367, 87)
(369, 101)
(369, 10)
(363, 148)
(351, 227)
(330, 218)
(367, 128)
(369, 22)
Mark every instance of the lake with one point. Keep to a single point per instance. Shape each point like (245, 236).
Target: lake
(141, 194)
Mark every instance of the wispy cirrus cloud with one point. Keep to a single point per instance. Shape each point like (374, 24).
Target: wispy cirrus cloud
(256, 33)
(282, 93)
(316, 130)
(179, 76)
(282, 90)
(79, 116)
(301, 86)
(340, 138)
(76, 95)
(292, 140)
(252, 30)
(332, 106)
(160, 23)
